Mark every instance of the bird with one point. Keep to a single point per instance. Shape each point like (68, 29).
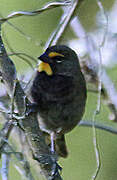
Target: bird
(59, 91)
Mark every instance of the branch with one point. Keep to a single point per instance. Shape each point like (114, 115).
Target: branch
(26, 172)
(36, 12)
(5, 166)
(98, 125)
(90, 66)
(4, 133)
(65, 19)
(40, 150)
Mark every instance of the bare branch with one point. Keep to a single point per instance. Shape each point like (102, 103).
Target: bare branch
(4, 133)
(26, 172)
(5, 166)
(40, 151)
(36, 12)
(98, 72)
(7, 69)
(98, 125)
(65, 19)
(96, 147)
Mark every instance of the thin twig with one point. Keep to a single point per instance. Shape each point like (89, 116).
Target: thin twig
(91, 50)
(99, 3)
(109, 86)
(5, 132)
(98, 125)
(96, 148)
(65, 19)
(26, 172)
(36, 12)
(97, 111)
(5, 166)
(99, 75)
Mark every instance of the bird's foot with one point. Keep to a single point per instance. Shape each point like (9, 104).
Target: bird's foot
(52, 136)
(50, 160)
(56, 169)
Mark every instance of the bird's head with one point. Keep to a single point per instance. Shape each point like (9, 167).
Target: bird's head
(60, 60)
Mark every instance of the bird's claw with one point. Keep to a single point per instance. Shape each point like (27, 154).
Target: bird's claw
(51, 161)
(55, 169)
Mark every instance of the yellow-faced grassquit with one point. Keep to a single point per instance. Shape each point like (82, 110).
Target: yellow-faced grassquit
(59, 90)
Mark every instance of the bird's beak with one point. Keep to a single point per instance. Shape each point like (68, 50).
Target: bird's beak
(44, 57)
(44, 65)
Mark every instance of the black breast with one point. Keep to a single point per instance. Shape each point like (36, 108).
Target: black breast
(51, 88)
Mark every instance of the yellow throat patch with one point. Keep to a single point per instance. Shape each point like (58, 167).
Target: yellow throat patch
(45, 67)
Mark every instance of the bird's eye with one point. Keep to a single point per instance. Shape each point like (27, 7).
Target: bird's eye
(58, 59)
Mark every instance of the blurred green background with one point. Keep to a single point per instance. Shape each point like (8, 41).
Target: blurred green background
(81, 163)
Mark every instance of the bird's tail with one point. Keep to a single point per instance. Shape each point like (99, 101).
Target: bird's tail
(60, 146)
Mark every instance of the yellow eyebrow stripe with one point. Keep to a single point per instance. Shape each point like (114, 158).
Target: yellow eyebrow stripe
(54, 54)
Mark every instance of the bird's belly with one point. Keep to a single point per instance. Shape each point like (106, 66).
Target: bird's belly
(60, 118)
(61, 102)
